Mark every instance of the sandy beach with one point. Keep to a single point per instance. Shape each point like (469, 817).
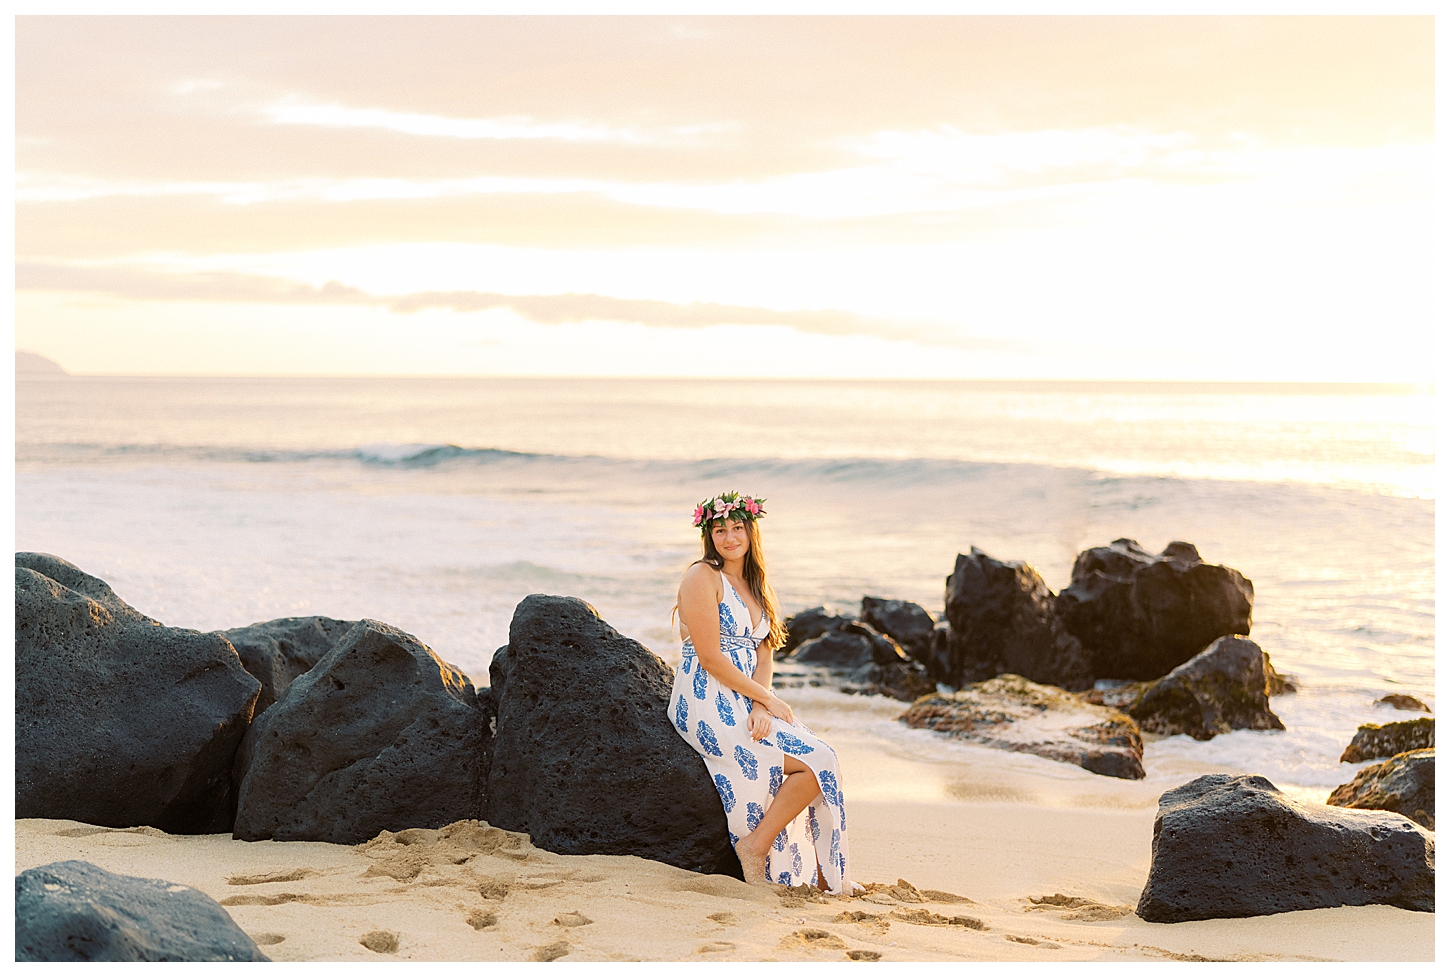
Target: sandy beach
(977, 839)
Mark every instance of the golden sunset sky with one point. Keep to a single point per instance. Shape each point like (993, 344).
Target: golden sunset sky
(1195, 198)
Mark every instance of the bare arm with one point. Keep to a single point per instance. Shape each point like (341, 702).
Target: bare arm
(764, 669)
(700, 593)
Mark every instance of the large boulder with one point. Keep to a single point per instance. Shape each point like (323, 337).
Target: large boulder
(908, 624)
(379, 734)
(1140, 616)
(1223, 687)
(1404, 784)
(119, 720)
(1372, 741)
(1002, 621)
(1226, 847)
(1010, 713)
(810, 623)
(858, 659)
(76, 911)
(585, 759)
(905, 681)
(849, 647)
(276, 652)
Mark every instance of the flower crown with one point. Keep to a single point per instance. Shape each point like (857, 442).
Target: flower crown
(731, 505)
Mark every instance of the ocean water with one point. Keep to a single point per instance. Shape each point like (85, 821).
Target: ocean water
(437, 504)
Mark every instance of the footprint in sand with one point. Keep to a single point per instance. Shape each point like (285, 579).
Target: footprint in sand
(875, 921)
(717, 946)
(380, 941)
(268, 939)
(86, 831)
(925, 917)
(904, 891)
(572, 919)
(291, 875)
(862, 955)
(481, 920)
(277, 900)
(1079, 908)
(813, 939)
(494, 888)
(1030, 941)
(553, 951)
(724, 919)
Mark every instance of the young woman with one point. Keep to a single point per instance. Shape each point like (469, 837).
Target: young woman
(767, 767)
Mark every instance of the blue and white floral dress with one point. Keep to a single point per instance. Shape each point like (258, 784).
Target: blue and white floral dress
(748, 772)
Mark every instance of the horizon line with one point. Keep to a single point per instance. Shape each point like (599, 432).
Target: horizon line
(716, 378)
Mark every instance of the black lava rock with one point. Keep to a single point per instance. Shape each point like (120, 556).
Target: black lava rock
(1372, 741)
(1002, 622)
(938, 660)
(808, 624)
(1140, 616)
(1404, 784)
(907, 623)
(1221, 688)
(276, 652)
(849, 647)
(1225, 847)
(379, 734)
(76, 911)
(1400, 700)
(906, 681)
(585, 758)
(119, 720)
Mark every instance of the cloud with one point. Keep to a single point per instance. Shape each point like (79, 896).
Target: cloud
(292, 112)
(236, 287)
(204, 287)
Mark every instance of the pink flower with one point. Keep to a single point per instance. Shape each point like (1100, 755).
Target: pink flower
(699, 514)
(751, 506)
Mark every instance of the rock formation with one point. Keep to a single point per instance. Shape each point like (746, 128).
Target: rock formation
(1010, 713)
(119, 720)
(1002, 621)
(1140, 616)
(1372, 741)
(276, 652)
(906, 681)
(379, 734)
(808, 624)
(1404, 784)
(908, 624)
(1278, 683)
(76, 911)
(849, 647)
(1221, 688)
(1400, 700)
(585, 759)
(855, 658)
(1226, 847)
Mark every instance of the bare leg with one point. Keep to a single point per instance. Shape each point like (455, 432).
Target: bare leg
(799, 789)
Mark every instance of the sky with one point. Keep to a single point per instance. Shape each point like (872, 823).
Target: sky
(1116, 198)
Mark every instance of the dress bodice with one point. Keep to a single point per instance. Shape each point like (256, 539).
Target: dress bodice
(736, 634)
(742, 628)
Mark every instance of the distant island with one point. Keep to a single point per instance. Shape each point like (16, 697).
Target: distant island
(33, 364)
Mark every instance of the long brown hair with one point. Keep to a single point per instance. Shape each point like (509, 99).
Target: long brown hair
(753, 572)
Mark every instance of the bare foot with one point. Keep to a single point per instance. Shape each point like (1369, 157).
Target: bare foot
(752, 860)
